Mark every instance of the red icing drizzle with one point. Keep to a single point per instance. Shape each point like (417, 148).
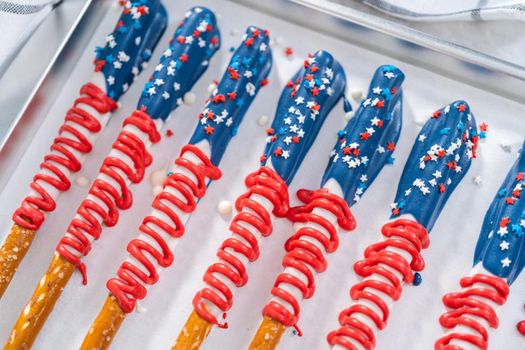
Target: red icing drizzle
(466, 303)
(114, 198)
(264, 182)
(402, 234)
(305, 256)
(128, 287)
(30, 213)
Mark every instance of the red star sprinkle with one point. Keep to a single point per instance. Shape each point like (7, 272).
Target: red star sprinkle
(289, 84)
(266, 32)
(249, 42)
(380, 104)
(516, 193)
(347, 150)
(441, 188)
(233, 73)
(452, 165)
(278, 152)
(181, 39)
(219, 98)
(436, 114)
(395, 211)
(316, 107)
(263, 158)
(462, 108)
(256, 33)
(296, 139)
(510, 201)
(380, 124)
(269, 131)
(441, 153)
(210, 115)
(288, 51)
(209, 130)
(232, 95)
(364, 136)
(314, 68)
(183, 58)
(196, 33)
(308, 77)
(214, 40)
(264, 82)
(483, 126)
(169, 133)
(356, 152)
(520, 176)
(393, 90)
(209, 28)
(315, 91)
(504, 222)
(391, 146)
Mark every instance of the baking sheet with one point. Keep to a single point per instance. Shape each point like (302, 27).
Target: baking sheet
(413, 323)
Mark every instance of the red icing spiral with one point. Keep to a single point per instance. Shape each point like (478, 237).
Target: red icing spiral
(128, 287)
(406, 235)
(266, 183)
(469, 302)
(30, 213)
(113, 198)
(304, 256)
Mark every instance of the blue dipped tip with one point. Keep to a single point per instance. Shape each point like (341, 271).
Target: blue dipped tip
(366, 144)
(501, 243)
(303, 106)
(194, 43)
(130, 45)
(225, 110)
(440, 158)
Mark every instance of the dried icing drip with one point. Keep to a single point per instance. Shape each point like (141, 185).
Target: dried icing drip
(305, 257)
(73, 139)
(468, 305)
(181, 193)
(380, 268)
(110, 191)
(253, 219)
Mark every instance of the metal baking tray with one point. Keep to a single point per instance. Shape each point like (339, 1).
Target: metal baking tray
(434, 78)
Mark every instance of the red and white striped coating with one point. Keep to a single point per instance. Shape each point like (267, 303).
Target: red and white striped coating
(109, 192)
(82, 126)
(160, 230)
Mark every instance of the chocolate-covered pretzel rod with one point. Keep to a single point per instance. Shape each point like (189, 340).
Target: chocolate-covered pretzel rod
(499, 258)
(303, 106)
(439, 160)
(196, 40)
(363, 148)
(190, 175)
(117, 64)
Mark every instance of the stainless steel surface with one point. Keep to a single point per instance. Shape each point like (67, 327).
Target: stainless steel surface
(32, 82)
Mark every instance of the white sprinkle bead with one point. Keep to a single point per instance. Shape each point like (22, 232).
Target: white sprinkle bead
(190, 98)
(212, 87)
(157, 177)
(225, 207)
(357, 94)
(477, 180)
(263, 120)
(157, 189)
(82, 181)
(349, 115)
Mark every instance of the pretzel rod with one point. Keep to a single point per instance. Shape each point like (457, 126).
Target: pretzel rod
(302, 108)
(42, 302)
(439, 159)
(105, 327)
(189, 177)
(499, 259)
(129, 156)
(194, 332)
(83, 125)
(268, 334)
(363, 148)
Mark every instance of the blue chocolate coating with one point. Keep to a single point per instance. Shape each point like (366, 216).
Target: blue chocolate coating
(366, 144)
(246, 73)
(130, 45)
(440, 158)
(501, 243)
(195, 41)
(303, 106)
